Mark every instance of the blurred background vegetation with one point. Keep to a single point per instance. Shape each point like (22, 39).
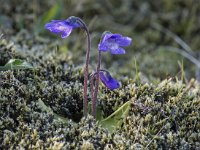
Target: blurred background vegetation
(165, 33)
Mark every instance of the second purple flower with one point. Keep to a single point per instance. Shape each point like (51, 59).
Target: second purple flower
(114, 43)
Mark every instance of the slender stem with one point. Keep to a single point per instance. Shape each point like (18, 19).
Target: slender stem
(91, 79)
(85, 98)
(94, 98)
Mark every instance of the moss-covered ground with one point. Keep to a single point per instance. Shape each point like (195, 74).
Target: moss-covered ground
(41, 108)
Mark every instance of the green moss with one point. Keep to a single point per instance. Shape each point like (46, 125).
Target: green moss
(7, 51)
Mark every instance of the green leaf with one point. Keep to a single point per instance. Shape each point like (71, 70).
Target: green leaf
(116, 119)
(44, 107)
(14, 64)
(49, 110)
(53, 13)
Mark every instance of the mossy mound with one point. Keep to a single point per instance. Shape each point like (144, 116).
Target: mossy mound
(165, 116)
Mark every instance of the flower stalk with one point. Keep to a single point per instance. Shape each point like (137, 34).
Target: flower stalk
(87, 59)
(94, 96)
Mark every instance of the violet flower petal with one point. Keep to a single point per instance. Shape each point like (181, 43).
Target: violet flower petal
(103, 47)
(106, 36)
(108, 80)
(108, 45)
(124, 41)
(113, 42)
(118, 51)
(64, 27)
(66, 33)
(55, 26)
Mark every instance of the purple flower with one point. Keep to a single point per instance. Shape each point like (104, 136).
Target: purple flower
(113, 43)
(64, 27)
(108, 80)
